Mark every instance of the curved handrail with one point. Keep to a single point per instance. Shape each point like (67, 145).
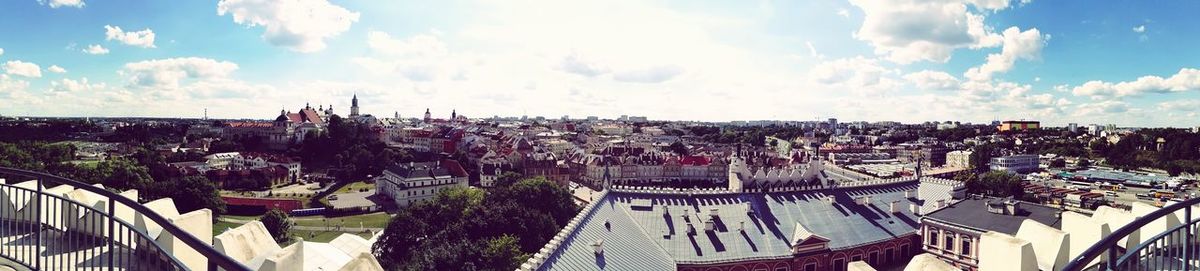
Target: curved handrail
(1084, 259)
(120, 222)
(1158, 236)
(214, 257)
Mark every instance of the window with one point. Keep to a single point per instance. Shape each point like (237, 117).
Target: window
(873, 258)
(933, 238)
(903, 250)
(888, 256)
(949, 242)
(855, 258)
(781, 268)
(965, 250)
(839, 264)
(810, 267)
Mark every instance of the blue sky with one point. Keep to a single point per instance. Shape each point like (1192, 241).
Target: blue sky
(1122, 62)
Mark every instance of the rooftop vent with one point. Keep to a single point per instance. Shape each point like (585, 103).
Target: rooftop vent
(864, 200)
(749, 210)
(598, 245)
(1005, 207)
(714, 212)
(691, 230)
(708, 224)
(741, 225)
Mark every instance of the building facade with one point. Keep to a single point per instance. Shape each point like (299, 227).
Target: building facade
(1022, 163)
(408, 184)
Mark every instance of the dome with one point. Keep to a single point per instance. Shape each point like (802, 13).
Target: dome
(282, 117)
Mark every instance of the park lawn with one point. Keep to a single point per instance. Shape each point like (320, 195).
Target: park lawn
(372, 220)
(222, 226)
(354, 187)
(243, 217)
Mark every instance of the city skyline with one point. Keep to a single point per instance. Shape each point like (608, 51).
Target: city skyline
(1055, 61)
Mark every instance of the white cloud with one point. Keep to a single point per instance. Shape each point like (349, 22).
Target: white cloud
(933, 80)
(1, 51)
(657, 74)
(299, 25)
(143, 38)
(843, 12)
(812, 51)
(95, 49)
(26, 69)
(1181, 105)
(1018, 44)
(1187, 79)
(1101, 108)
(993, 5)
(62, 3)
(422, 57)
(859, 74)
(10, 85)
(68, 85)
(167, 73)
(573, 63)
(1139, 29)
(907, 31)
(56, 69)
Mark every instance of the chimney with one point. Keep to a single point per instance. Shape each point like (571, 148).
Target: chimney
(598, 246)
(894, 206)
(829, 199)
(691, 230)
(742, 225)
(914, 208)
(911, 193)
(941, 203)
(686, 217)
(713, 212)
(708, 224)
(1012, 207)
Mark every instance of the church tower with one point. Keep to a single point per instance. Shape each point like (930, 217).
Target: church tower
(428, 117)
(354, 106)
(453, 115)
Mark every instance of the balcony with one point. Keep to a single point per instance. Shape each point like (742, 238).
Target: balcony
(53, 223)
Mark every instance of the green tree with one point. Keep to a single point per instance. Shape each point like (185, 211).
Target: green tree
(1058, 163)
(679, 148)
(980, 157)
(502, 253)
(278, 224)
(197, 192)
(1083, 163)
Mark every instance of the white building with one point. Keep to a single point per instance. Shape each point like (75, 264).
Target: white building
(959, 159)
(1021, 163)
(410, 183)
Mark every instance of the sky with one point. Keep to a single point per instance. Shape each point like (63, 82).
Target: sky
(1129, 63)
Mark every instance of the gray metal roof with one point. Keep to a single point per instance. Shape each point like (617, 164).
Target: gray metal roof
(973, 213)
(640, 238)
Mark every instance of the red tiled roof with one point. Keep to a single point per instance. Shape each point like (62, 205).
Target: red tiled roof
(248, 124)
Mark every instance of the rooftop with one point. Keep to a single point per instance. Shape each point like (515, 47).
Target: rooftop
(973, 213)
(650, 231)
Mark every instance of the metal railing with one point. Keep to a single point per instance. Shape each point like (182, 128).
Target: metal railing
(46, 224)
(1176, 248)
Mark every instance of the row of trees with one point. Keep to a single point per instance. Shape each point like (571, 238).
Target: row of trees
(119, 174)
(1179, 153)
(352, 147)
(467, 228)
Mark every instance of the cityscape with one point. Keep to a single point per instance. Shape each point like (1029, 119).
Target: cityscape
(353, 135)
